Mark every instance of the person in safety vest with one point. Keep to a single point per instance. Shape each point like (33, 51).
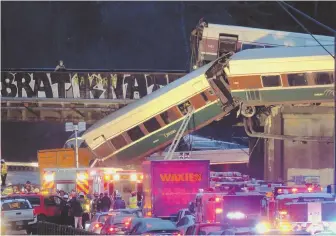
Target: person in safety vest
(4, 170)
(85, 204)
(133, 200)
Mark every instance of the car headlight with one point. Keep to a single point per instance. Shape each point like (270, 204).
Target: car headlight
(263, 227)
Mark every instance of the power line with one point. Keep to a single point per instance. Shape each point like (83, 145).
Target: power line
(298, 22)
(310, 18)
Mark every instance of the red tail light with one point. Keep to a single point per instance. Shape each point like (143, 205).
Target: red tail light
(34, 212)
(127, 223)
(111, 229)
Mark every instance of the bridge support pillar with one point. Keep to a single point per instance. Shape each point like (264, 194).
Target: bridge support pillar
(285, 159)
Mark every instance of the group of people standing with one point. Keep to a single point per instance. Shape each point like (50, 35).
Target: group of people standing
(76, 213)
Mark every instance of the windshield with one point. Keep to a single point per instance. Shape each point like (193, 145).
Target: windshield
(102, 218)
(204, 230)
(244, 204)
(10, 206)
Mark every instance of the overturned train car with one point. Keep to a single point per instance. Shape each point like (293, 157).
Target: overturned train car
(150, 124)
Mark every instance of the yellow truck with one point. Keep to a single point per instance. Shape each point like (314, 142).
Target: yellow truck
(62, 158)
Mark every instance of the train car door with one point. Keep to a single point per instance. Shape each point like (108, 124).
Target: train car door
(227, 43)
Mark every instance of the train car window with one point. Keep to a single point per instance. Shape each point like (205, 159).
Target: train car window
(183, 107)
(271, 80)
(168, 116)
(135, 133)
(204, 96)
(251, 46)
(324, 78)
(152, 125)
(119, 142)
(297, 79)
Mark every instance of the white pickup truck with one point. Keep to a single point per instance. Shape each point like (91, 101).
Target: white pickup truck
(17, 214)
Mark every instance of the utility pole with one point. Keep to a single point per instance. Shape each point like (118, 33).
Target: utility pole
(334, 33)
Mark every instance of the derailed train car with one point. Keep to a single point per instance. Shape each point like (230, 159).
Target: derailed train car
(265, 77)
(151, 123)
(210, 41)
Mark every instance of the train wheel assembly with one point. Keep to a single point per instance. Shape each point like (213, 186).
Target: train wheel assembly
(248, 111)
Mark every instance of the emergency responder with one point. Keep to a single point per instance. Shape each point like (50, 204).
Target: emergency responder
(94, 203)
(4, 170)
(84, 203)
(99, 204)
(76, 211)
(65, 210)
(119, 203)
(132, 202)
(106, 203)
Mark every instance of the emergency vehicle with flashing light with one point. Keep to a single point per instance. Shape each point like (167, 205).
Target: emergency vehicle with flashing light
(283, 203)
(297, 189)
(310, 216)
(212, 207)
(91, 180)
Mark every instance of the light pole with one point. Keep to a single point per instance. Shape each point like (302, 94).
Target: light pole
(70, 127)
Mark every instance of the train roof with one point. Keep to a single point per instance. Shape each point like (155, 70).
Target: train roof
(263, 35)
(281, 60)
(127, 109)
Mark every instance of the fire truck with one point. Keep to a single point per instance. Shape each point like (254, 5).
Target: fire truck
(90, 180)
(240, 207)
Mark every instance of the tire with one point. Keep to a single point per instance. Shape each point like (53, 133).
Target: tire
(31, 231)
(41, 218)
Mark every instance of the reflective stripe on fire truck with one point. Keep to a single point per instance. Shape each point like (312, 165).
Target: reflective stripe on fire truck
(82, 183)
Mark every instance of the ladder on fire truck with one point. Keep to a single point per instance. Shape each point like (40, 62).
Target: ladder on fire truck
(179, 134)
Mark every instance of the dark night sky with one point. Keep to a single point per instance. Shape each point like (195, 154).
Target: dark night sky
(113, 35)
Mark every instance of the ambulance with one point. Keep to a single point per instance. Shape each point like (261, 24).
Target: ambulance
(311, 217)
(299, 210)
(91, 180)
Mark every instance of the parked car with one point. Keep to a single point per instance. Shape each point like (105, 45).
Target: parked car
(118, 224)
(185, 223)
(96, 223)
(17, 213)
(47, 207)
(137, 212)
(205, 228)
(134, 221)
(157, 227)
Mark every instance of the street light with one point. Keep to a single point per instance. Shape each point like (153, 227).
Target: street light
(70, 127)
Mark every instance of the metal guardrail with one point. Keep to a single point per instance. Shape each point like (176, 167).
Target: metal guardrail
(46, 228)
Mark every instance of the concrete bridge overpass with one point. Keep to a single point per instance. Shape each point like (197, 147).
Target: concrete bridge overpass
(75, 95)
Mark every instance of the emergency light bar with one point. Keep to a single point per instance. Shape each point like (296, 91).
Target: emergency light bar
(300, 189)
